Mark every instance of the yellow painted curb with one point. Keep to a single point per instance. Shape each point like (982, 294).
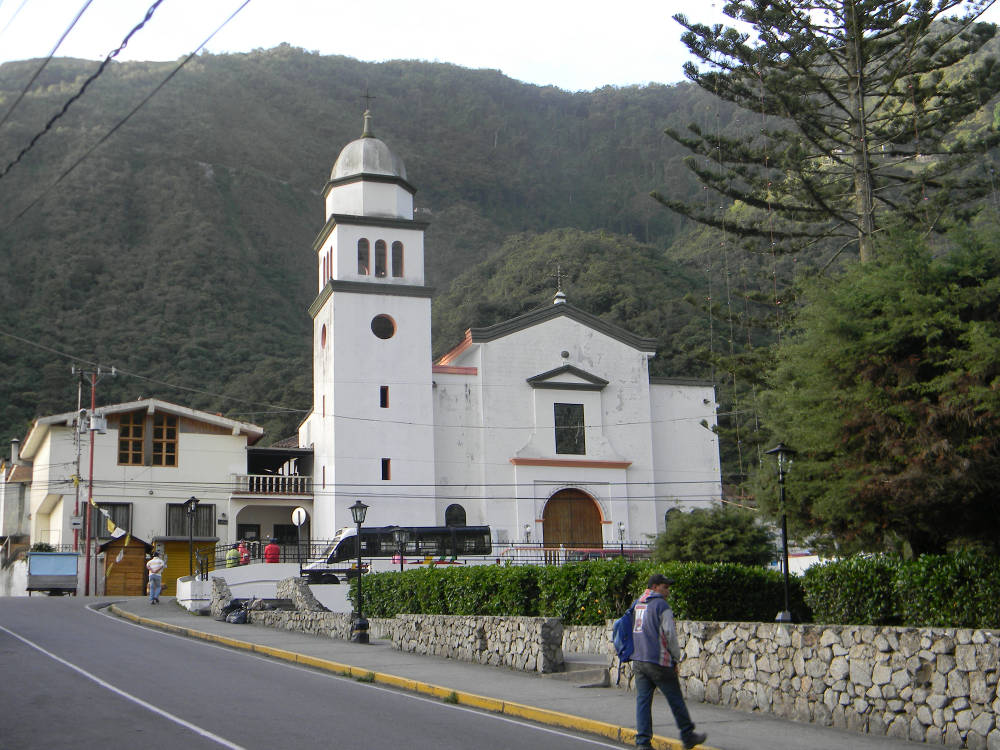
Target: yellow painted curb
(546, 716)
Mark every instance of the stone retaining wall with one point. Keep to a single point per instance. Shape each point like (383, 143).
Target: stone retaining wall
(528, 644)
(933, 685)
(587, 639)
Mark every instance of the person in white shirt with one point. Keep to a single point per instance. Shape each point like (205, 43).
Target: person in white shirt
(155, 566)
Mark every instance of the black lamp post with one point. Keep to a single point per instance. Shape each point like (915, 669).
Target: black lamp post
(401, 536)
(191, 508)
(621, 537)
(360, 627)
(784, 455)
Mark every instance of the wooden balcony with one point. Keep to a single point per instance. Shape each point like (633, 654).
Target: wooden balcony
(272, 484)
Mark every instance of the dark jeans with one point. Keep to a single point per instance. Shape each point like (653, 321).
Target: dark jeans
(648, 677)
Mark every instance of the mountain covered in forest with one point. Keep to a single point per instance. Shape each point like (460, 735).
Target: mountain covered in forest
(173, 240)
(178, 249)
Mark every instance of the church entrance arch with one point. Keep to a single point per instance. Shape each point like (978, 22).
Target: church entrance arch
(571, 519)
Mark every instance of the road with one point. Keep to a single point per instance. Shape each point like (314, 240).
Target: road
(72, 675)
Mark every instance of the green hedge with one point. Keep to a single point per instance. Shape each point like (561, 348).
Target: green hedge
(935, 590)
(855, 591)
(586, 593)
(957, 591)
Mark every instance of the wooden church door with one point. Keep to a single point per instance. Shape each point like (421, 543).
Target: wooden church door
(572, 519)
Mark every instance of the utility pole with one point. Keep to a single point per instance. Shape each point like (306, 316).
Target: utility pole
(78, 439)
(95, 375)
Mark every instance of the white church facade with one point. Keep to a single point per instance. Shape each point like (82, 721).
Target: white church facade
(547, 427)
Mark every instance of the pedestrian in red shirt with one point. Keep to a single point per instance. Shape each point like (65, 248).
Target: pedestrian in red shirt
(272, 552)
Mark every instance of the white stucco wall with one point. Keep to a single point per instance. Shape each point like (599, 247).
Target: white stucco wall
(351, 432)
(655, 453)
(370, 199)
(688, 471)
(341, 246)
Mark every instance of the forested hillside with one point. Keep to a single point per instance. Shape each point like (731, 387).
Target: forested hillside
(179, 251)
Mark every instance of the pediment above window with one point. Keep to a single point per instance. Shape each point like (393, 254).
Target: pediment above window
(568, 378)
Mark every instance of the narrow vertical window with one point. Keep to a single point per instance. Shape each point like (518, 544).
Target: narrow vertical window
(363, 260)
(130, 438)
(570, 437)
(164, 440)
(386, 468)
(380, 258)
(383, 396)
(397, 259)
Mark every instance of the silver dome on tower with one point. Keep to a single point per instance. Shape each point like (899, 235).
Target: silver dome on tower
(367, 156)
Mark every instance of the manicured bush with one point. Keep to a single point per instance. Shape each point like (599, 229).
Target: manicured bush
(935, 590)
(731, 592)
(857, 590)
(956, 591)
(585, 593)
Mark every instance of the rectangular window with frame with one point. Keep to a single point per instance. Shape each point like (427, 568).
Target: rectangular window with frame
(130, 438)
(164, 440)
(120, 515)
(570, 433)
(177, 520)
(386, 469)
(383, 396)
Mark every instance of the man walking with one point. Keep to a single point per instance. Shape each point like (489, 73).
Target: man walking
(155, 567)
(654, 663)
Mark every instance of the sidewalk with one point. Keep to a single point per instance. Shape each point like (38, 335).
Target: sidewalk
(606, 712)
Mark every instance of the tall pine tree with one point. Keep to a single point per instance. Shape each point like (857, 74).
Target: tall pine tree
(859, 103)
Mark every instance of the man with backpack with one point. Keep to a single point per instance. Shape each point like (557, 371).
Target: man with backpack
(655, 655)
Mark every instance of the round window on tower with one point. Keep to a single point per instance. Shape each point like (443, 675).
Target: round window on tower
(383, 326)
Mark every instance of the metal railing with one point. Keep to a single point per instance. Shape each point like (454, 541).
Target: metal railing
(273, 484)
(504, 553)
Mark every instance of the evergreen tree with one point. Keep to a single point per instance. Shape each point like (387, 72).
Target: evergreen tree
(859, 102)
(721, 534)
(887, 387)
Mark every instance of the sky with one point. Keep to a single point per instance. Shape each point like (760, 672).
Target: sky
(575, 45)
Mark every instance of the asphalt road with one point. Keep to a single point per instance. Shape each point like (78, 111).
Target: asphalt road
(72, 676)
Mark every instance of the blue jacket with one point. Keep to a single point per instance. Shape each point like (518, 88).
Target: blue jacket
(654, 634)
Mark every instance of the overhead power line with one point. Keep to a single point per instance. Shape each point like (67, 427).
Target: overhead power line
(126, 118)
(80, 91)
(81, 360)
(45, 62)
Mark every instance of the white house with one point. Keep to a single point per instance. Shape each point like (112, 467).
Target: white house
(147, 459)
(547, 426)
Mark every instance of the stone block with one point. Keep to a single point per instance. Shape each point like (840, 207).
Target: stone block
(916, 730)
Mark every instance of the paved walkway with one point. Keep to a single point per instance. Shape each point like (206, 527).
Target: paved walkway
(607, 712)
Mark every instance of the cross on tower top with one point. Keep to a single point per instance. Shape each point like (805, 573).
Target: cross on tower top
(368, 99)
(559, 276)
(560, 298)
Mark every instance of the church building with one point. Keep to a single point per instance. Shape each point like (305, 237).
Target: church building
(547, 427)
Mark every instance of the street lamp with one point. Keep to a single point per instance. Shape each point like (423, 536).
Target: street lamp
(621, 536)
(359, 629)
(191, 508)
(401, 536)
(784, 455)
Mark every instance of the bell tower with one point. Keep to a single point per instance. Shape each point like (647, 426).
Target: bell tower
(371, 426)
